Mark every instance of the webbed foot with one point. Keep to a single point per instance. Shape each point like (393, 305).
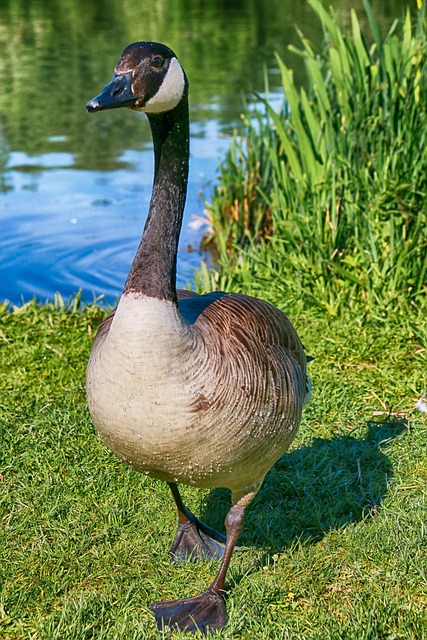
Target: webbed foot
(204, 612)
(195, 540)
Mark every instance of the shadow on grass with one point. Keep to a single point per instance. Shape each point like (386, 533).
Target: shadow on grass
(314, 489)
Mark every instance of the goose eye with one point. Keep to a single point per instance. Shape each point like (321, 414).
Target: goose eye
(157, 61)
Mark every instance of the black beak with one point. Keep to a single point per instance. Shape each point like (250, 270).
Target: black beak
(118, 93)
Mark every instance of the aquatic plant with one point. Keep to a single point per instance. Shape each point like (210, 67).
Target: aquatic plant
(328, 197)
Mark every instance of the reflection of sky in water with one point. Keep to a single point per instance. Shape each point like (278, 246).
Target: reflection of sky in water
(66, 225)
(65, 229)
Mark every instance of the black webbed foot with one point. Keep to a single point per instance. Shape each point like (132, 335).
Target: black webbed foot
(204, 612)
(195, 540)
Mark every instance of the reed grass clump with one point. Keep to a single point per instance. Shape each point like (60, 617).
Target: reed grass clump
(327, 199)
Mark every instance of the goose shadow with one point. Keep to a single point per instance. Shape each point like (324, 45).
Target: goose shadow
(313, 489)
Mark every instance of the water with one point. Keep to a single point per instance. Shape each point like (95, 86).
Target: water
(65, 229)
(74, 187)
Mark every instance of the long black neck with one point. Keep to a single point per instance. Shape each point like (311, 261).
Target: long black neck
(153, 271)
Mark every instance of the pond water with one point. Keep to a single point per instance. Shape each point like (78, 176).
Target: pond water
(74, 187)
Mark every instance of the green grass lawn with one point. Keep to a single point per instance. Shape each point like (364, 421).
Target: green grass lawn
(335, 544)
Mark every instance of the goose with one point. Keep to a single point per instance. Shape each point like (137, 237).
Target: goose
(205, 390)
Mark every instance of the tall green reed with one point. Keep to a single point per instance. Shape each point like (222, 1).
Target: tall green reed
(330, 193)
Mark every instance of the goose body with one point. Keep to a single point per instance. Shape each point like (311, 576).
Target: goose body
(210, 403)
(202, 390)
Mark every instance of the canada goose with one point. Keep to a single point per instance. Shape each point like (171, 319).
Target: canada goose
(205, 390)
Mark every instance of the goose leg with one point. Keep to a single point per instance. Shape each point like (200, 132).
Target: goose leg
(206, 611)
(194, 539)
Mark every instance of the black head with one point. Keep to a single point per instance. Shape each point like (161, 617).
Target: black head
(148, 77)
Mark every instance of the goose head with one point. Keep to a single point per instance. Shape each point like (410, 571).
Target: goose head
(148, 77)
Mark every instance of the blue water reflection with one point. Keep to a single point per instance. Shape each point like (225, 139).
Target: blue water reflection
(74, 187)
(66, 230)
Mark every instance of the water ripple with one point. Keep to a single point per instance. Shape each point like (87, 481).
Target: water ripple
(66, 230)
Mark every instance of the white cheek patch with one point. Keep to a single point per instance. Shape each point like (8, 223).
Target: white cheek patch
(170, 92)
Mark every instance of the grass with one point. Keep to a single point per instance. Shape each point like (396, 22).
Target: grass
(333, 186)
(325, 218)
(335, 543)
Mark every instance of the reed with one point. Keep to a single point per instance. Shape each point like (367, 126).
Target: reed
(327, 199)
